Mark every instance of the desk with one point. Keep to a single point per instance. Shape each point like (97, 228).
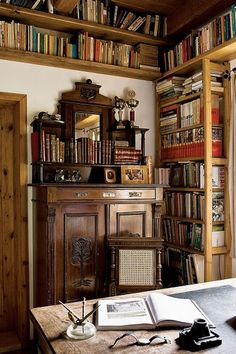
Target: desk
(50, 323)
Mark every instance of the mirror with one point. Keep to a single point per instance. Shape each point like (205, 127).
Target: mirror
(87, 125)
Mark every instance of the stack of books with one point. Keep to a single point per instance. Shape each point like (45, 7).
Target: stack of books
(127, 155)
(148, 56)
(171, 87)
(216, 81)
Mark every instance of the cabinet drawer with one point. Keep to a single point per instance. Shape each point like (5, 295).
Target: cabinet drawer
(79, 194)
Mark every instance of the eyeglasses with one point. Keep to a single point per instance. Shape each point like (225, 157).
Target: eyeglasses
(142, 341)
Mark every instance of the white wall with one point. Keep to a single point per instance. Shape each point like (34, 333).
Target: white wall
(43, 86)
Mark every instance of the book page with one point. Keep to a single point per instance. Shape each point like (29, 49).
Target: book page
(115, 313)
(174, 311)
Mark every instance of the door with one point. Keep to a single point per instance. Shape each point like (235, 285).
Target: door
(13, 223)
(84, 251)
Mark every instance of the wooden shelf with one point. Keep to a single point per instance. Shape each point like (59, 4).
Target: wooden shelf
(220, 54)
(215, 250)
(70, 25)
(76, 64)
(184, 219)
(167, 102)
(183, 248)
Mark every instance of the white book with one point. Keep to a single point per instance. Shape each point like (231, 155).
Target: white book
(198, 261)
(155, 310)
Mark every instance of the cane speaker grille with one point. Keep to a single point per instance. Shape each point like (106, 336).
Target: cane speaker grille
(136, 267)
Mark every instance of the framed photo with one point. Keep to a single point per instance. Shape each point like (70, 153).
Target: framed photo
(134, 174)
(110, 175)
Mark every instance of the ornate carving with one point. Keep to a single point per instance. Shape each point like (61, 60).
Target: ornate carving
(88, 93)
(87, 90)
(81, 254)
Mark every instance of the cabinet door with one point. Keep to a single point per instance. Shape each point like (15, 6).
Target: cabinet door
(80, 256)
(127, 219)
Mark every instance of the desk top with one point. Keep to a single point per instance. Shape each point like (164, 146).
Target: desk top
(51, 322)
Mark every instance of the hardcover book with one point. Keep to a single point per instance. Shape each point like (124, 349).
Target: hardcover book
(156, 310)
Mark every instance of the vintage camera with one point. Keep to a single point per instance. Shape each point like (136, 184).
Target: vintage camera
(198, 336)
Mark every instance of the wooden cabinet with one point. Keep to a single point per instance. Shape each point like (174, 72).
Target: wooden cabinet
(71, 230)
(85, 143)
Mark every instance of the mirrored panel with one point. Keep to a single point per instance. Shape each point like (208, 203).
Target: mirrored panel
(87, 125)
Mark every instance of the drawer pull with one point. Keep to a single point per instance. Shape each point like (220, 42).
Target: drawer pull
(82, 194)
(109, 195)
(135, 194)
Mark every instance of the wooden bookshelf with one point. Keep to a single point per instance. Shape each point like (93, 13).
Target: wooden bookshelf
(71, 25)
(76, 64)
(215, 59)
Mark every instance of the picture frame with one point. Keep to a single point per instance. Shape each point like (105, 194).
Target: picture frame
(110, 175)
(134, 174)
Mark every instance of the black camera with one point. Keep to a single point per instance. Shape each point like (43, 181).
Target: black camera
(198, 336)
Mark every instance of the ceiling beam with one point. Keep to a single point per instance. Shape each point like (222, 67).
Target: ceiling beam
(187, 14)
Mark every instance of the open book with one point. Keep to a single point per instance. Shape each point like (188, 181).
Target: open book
(156, 310)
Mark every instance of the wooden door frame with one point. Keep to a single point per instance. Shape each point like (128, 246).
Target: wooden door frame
(19, 103)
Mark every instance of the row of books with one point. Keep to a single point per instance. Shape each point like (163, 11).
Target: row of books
(191, 149)
(50, 148)
(189, 175)
(111, 14)
(106, 52)
(184, 267)
(192, 205)
(188, 234)
(105, 12)
(189, 113)
(185, 204)
(82, 46)
(184, 234)
(190, 143)
(220, 29)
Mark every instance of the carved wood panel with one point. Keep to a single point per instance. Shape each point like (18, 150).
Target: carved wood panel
(84, 246)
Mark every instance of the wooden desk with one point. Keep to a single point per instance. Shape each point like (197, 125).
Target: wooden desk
(50, 323)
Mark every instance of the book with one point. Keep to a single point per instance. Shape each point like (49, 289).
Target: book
(155, 310)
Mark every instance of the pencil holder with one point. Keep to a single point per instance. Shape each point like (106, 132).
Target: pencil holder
(81, 331)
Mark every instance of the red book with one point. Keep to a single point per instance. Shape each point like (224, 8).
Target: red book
(215, 109)
(35, 146)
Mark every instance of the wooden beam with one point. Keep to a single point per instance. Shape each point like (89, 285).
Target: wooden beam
(186, 15)
(64, 6)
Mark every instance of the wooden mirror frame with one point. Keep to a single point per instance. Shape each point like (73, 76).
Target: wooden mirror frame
(86, 98)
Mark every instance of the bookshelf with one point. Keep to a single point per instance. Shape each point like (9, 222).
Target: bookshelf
(183, 196)
(70, 25)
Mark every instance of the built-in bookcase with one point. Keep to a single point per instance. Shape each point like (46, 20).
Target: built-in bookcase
(193, 131)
